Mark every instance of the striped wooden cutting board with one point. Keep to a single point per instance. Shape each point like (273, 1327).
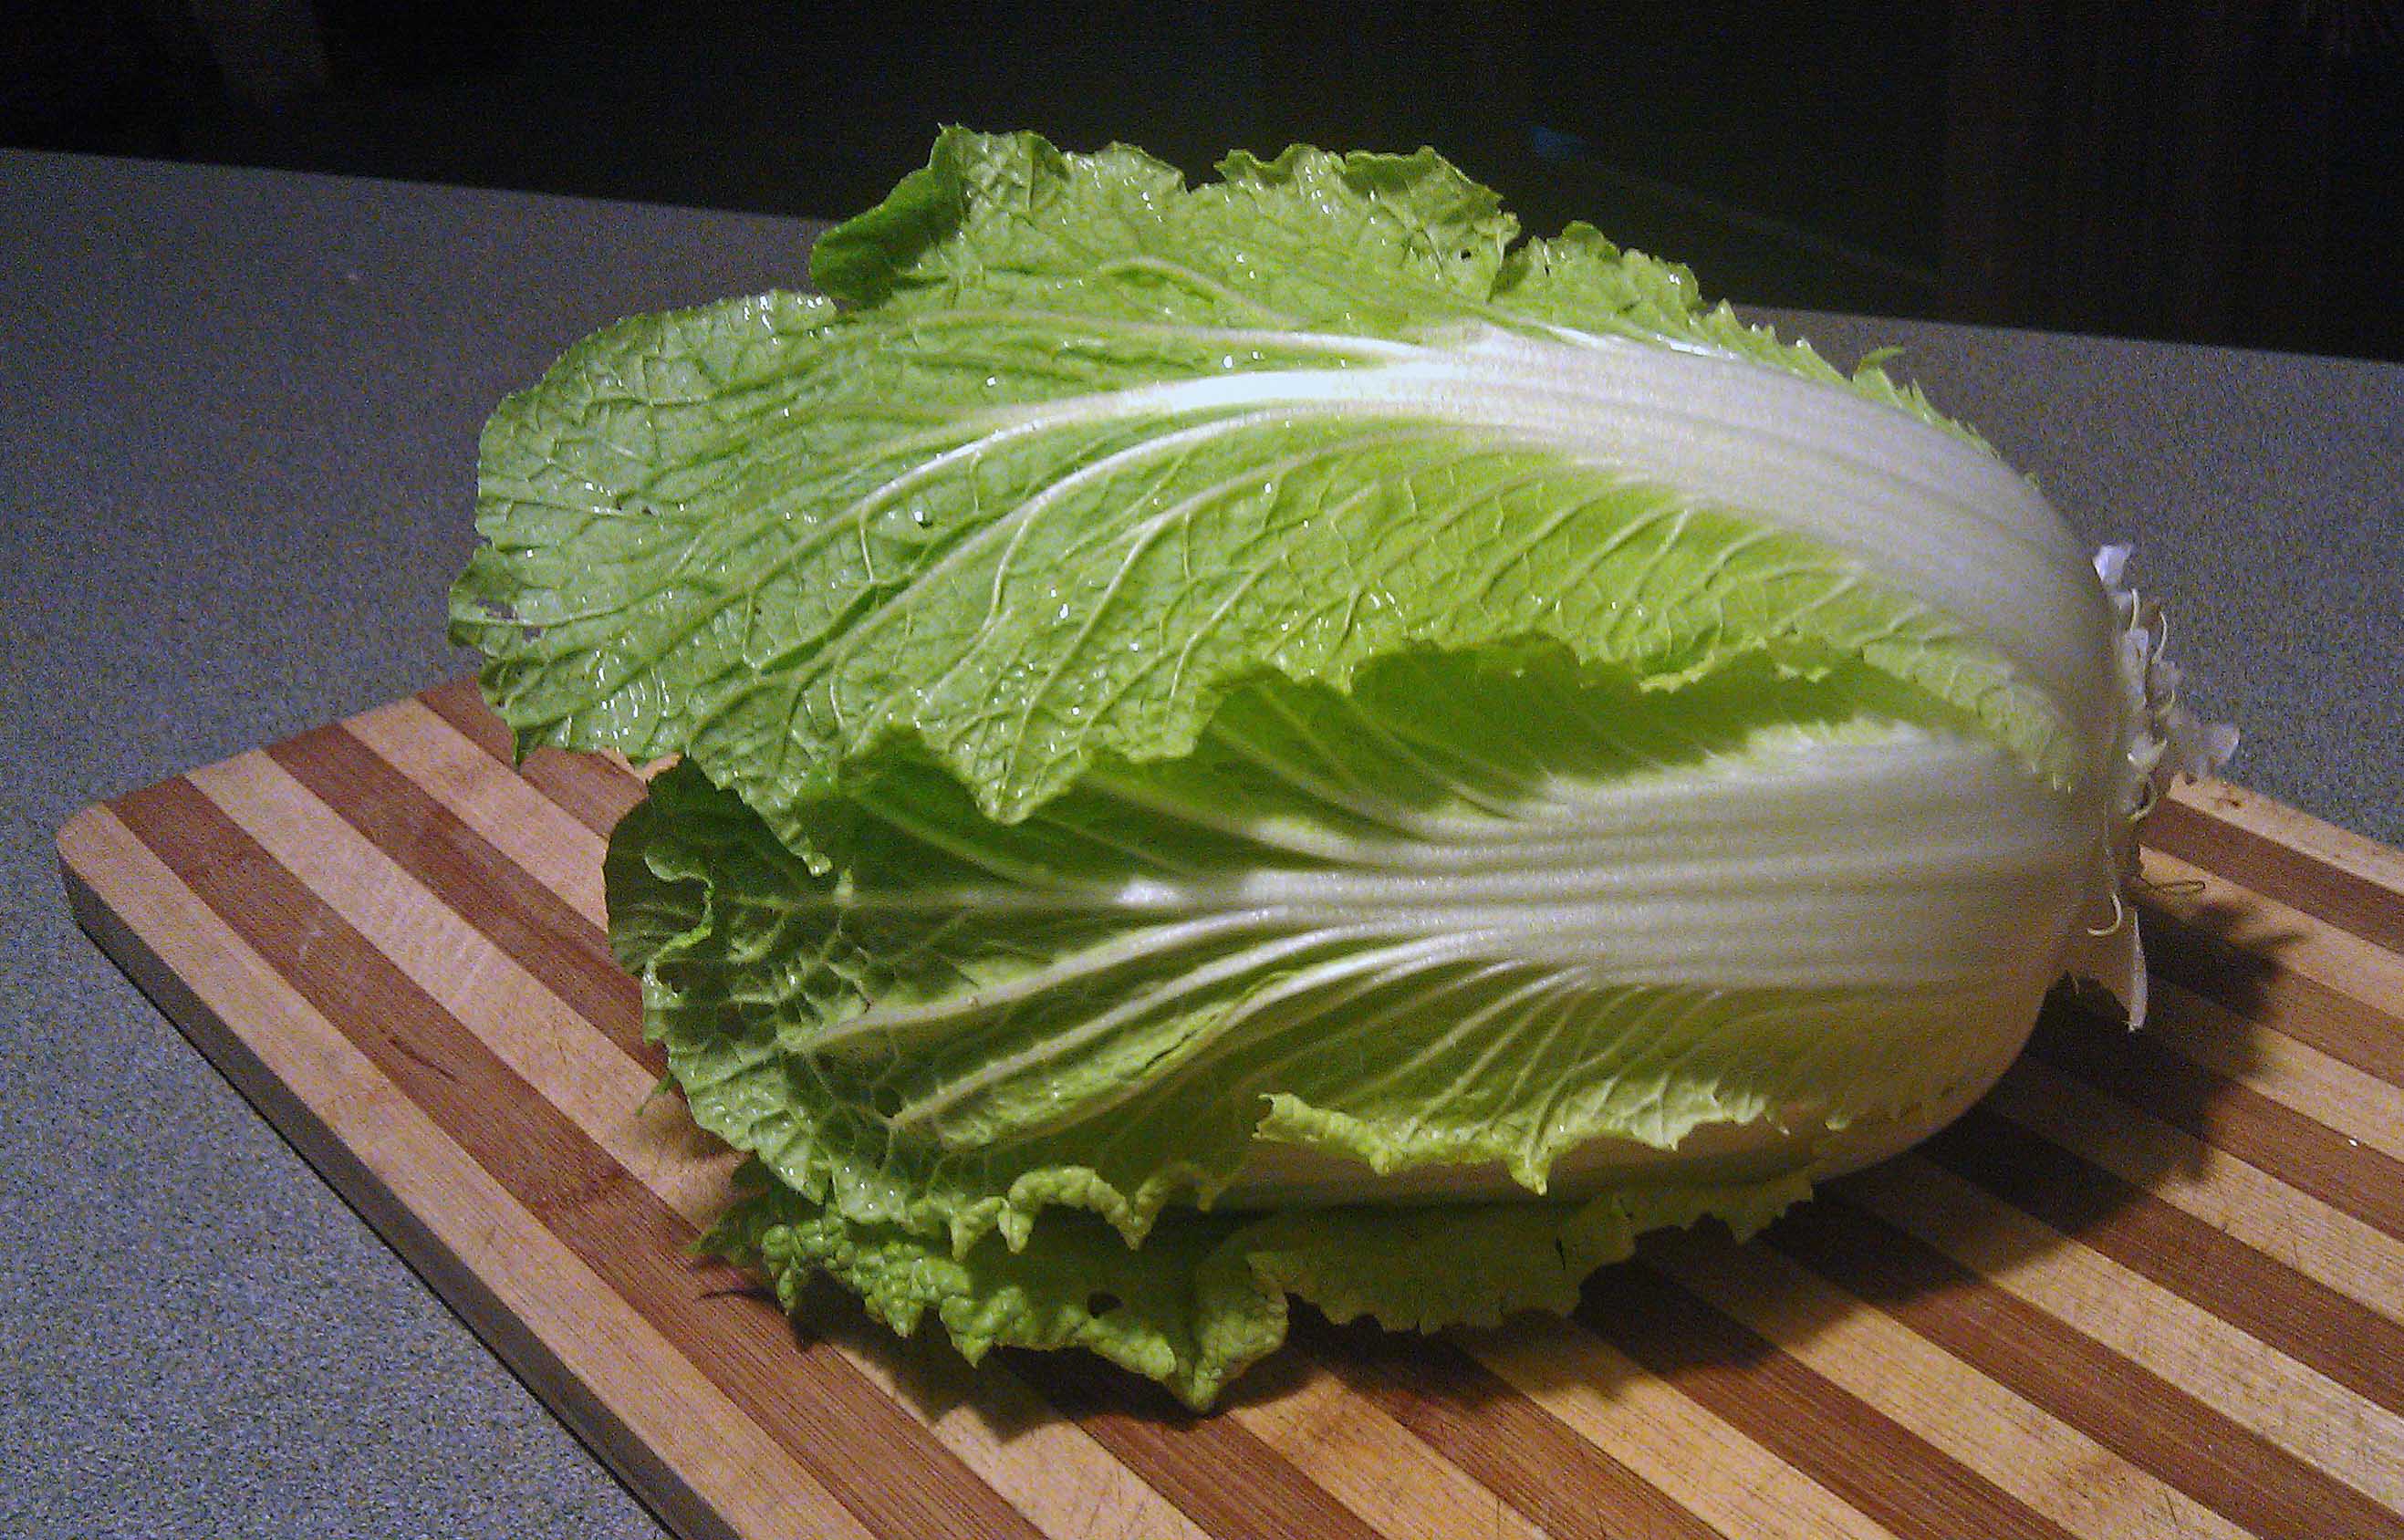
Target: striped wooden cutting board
(2154, 1285)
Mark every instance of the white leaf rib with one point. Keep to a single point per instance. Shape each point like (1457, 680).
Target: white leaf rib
(919, 1113)
(1366, 805)
(882, 1025)
(1462, 1029)
(1404, 963)
(1292, 836)
(1916, 898)
(1359, 971)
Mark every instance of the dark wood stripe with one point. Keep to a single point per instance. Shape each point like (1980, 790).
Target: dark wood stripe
(2134, 1413)
(2309, 1156)
(1505, 1442)
(592, 791)
(1218, 1472)
(878, 1463)
(2330, 895)
(2287, 1310)
(1891, 1474)
(472, 879)
(2247, 981)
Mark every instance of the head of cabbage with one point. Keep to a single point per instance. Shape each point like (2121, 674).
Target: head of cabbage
(1271, 740)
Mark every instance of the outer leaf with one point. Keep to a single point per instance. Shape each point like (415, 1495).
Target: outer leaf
(1205, 1295)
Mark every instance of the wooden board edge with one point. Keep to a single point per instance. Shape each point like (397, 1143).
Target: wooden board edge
(648, 1479)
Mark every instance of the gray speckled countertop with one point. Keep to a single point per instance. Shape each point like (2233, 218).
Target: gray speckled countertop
(238, 414)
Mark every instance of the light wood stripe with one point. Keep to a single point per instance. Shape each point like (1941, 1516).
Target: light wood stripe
(2308, 1413)
(455, 1221)
(1987, 1428)
(1572, 1485)
(541, 837)
(1220, 1472)
(1059, 1481)
(1369, 1462)
(2225, 1193)
(597, 788)
(855, 1442)
(2189, 1444)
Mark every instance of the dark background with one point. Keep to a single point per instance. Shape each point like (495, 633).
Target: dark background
(2214, 172)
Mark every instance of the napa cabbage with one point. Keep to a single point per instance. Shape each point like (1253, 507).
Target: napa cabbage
(1273, 740)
